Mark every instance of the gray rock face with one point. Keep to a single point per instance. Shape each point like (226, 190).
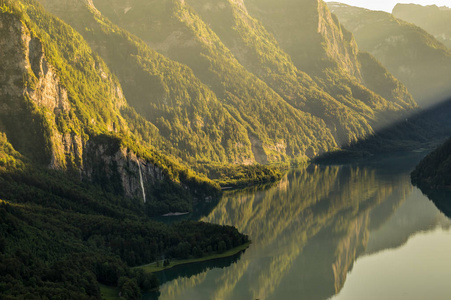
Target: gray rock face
(119, 167)
(29, 82)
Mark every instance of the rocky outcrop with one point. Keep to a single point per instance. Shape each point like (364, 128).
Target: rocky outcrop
(117, 168)
(30, 85)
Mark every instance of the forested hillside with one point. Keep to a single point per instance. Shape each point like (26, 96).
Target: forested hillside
(61, 108)
(61, 239)
(247, 67)
(77, 184)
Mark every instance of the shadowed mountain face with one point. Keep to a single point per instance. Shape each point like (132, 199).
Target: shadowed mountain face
(414, 56)
(435, 20)
(433, 172)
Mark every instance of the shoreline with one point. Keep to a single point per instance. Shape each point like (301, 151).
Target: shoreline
(153, 268)
(176, 214)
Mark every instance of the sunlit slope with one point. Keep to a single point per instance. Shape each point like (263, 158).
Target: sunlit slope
(435, 20)
(276, 129)
(414, 56)
(165, 92)
(246, 41)
(258, 51)
(48, 99)
(277, 111)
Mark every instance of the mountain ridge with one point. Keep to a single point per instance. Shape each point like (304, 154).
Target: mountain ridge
(410, 53)
(432, 18)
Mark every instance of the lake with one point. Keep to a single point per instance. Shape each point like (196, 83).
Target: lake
(327, 232)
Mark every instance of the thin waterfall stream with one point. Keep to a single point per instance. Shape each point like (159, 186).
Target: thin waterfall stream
(141, 181)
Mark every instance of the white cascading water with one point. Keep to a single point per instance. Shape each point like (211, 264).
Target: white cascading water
(141, 180)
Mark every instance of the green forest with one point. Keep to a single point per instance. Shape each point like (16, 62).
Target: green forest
(61, 239)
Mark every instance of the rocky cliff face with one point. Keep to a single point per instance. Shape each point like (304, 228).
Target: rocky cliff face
(309, 33)
(111, 164)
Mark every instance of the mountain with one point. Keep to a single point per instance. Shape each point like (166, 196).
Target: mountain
(328, 52)
(276, 130)
(230, 54)
(257, 50)
(411, 54)
(435, 20)
(105, 113)
(61, 108)
(185, 111)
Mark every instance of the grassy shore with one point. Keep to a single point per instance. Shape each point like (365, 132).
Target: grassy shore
(109, 293)
(154, 267)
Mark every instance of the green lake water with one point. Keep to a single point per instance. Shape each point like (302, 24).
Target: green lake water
(327, 232)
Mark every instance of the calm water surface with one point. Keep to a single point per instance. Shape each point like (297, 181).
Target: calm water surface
(347, 232)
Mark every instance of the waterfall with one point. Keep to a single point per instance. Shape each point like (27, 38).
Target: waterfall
(141, 180)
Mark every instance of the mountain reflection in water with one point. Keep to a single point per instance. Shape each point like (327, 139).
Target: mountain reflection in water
(308, 231)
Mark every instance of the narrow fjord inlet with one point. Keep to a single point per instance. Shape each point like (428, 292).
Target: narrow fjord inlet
(224, 149)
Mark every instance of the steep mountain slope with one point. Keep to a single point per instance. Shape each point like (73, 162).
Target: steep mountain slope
(415, 57)
(320, 46)
(61, 108)
(258, 51)
(277, 130)
(166, 93)
(435, 20)
(223, 36)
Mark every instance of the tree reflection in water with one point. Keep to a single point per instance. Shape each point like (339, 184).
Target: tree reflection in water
(307, 232)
